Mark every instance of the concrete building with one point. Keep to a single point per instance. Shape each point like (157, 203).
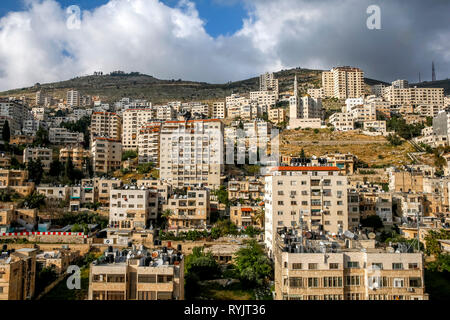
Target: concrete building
(133, 121)
(316, 93)
(249, 188)
(305, 112)
(107, 125)
(138, 275)
(191, 153)
(267, 82)
(219, 111)
(343, 83)
(414, 96)
(131, 207)
(43, 154)
(316, 194)
(351, 270)
(400, 84)
(106, 154)
(188, 211)
(17, 274)
(148, 143)
(16, 180)
(78, 155)
(15, 112)
(277, 115)
(245, 216)
(342, 121)
(73, 98)
(62, 136)
(376, 126)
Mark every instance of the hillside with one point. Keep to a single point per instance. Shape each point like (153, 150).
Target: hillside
(434, 84)
(111, 88)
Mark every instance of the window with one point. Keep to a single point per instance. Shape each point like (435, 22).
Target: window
(312, 266)
(352, 264)
(334, 266)
(295, 282)
(399, 282)
(313, 282)
(377, 266)
(413, 266)
(147, 278)
(397, 266)
(296, 266)
(352, 280)
(332, 282)
(415, 282)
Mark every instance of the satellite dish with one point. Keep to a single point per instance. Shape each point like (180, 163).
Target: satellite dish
(372, 235)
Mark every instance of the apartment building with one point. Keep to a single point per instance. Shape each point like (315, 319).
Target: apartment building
(21, 139)
(267, 82)
(166, 113)
(250, 188)
(16, 180)
(343, 82)
(54, 192)
(5, 160)
(191, 153)
(247, 216)
(351, 270)
(148, 143)
(342, 121)
(133, 121)
(107, 125)
(18, 273)
(43, 154)
(429, 110)
(218, 111)
(189, 211)
(414, 96)
(38, 113)
(73, 98)
(316, 93)
(315, 194)
(163, 189)
(138, 275)
(277, 115)
(131, 207)
(78, 155)
(98, 189)
(10, 214)
(364, 113)
(106, 154)
(304, 112)
(375, 126)
(62, 136)
(15, 112)
(267, 98)
(400, 84)
(59, 259)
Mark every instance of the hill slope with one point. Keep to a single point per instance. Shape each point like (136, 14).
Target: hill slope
(111, 88)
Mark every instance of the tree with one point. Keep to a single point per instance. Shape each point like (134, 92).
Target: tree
(164, 220)
(394, 139)
(222, 195)
(302, 154)
(6, 133)
(41, 137)
(253, 265)
(35, 170)
(259, 217)
(372, 221)
(55, 168)
(34, 200)
(69, 170)
(129, 154)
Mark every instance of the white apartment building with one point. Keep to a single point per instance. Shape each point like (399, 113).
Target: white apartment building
(316, 93)
(317, 194)
(107, 155)
(133, 120)
(166, 113)
(39, 113)
(267, 98)
(342, 121)
(306, 112)
(363, 113)
(44, 154)
(414, 96)
(218, 110)
(343, 82)
(201, 109)
(131, 207)
(267, 82)
(376, 126)
(400, 84)
(107, 125)
(15, 112)
(62, 136)
(148, 143)
(73, 98)
(191, 153)
(352, 103)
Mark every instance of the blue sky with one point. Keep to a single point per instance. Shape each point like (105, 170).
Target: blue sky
(222, 17)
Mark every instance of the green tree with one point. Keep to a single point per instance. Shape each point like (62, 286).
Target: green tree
(302, 154)
(6, 133)
(41, 137)
(69, 170)
(56, 168)
(253, 265)
(34, 200)
(372, 221)
(35, 170)
(222, 195)
(129, 154)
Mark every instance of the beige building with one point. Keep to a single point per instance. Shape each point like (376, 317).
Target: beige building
(249, 189)
(77, 154)
(138, 275)
(305, 112)
(277, 115)
(343, 83)
(17, 274)
(316, 194)
(148, 143)
(44, 154)
(62, 136)
(107, 155)
(133, 121)
(131, 207)
(267, 82)
(191, 153)
(355, 270)
(188, 211)
(219, 111)
(376, 126)
(316, 93)
(414, 96)
(107, 125)
(342, 121)
(245, 216)
(16, 180)
(73, 98)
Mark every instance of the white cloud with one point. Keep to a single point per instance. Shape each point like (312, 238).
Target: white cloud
(150, 37)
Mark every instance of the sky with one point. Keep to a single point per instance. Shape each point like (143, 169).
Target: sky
(220, 40)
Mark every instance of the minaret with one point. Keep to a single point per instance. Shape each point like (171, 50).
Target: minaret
(433, 72)
(295, 86)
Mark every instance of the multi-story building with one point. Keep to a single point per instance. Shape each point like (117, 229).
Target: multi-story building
(245, 216)
(400, 84)
(305, 112)
(131, 207)
(342, 121)
(18, 274)
(133, 121)
(249, 189)
(148, 143)
(17, 180)
(315, 194)
(43, 154)
(106, 154)
(188, 211)
(15, 112)
(73, 98)
(54, 192)
(277, 115)
(62, 136)
(219, 111)
(107, 125)
(267, 82)
(191, 153)
(316, 93)
(376, 126)
(78, 155)
(414, 96)
(138, 275)
(343, 82)
(351, 270)
(267, 98)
